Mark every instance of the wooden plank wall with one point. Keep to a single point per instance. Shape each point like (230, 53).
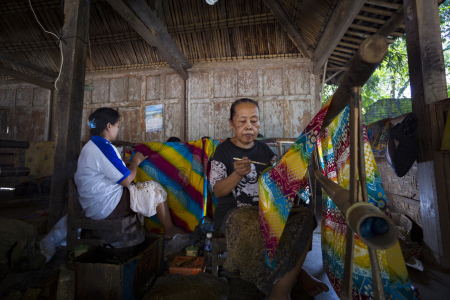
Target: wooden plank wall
(24, 112)
(130, 92)
(285, 90)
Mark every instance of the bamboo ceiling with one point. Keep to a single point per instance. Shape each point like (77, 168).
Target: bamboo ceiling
(230, 30)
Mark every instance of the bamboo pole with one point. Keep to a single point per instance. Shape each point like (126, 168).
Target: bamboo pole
(354, 192)
(358, 147)
(357, 213)
(366, 60)
(354, 205)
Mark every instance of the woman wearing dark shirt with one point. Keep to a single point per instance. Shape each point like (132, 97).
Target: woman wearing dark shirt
(235, 167)
(246, 191)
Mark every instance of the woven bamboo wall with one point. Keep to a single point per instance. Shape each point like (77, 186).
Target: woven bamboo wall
(403, 193)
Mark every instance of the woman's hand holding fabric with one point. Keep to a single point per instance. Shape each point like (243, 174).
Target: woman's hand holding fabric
(138, 157)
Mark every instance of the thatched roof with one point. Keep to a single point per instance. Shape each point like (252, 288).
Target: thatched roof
(230, 30)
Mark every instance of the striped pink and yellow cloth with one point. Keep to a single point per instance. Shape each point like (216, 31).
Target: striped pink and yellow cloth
(279, 185)
(180, 169)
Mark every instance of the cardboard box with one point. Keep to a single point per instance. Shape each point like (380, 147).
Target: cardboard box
(96, 278)
(187, 265)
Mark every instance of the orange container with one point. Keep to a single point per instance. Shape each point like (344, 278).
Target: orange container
(187, 265)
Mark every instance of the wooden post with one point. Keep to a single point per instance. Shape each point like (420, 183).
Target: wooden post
(428, 86)
(184, 113)
(152, 39)
(70, 103)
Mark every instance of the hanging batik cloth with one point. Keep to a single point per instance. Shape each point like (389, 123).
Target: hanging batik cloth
(279, 185)
(180, 169)
(378, 133)
(334, 155)
(288, 177)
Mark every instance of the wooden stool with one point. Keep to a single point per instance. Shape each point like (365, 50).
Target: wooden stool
(122, 229)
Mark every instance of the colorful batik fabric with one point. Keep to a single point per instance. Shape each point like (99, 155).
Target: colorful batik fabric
(180, 169)
(378, 133)
(334, 155)
(280, 184)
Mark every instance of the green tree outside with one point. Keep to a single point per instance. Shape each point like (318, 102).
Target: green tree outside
(391, 79)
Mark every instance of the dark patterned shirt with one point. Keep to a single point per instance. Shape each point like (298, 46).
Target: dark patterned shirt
(246, 192)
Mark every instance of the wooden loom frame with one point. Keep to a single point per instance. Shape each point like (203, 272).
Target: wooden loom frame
(369, 56)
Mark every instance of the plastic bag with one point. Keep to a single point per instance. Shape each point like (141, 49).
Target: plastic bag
(177, 244)
(55, 238)
(199, 234)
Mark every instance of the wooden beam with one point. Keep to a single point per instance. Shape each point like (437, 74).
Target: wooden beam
(150, 19)
(347, 45)
(362, 35)
(342, 17)
(333, 57)
(27, 65)
(149, 37)
(370, 54)
(364, 28)
(344, 50)
(384, 4)
(70, 103)
(332, 76)
(26, 78)
(200, 60)
(159, 10)
(337, 69)
(374, 30)
(354, 40)
(129, 36)
(377, 11)
(394, 22)
(290, 28)
(369, 19)
(341, 54)
(428, 86)
(339, 63)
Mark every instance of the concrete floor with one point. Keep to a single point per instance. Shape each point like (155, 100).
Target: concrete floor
(313, 264)
(432, 283)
